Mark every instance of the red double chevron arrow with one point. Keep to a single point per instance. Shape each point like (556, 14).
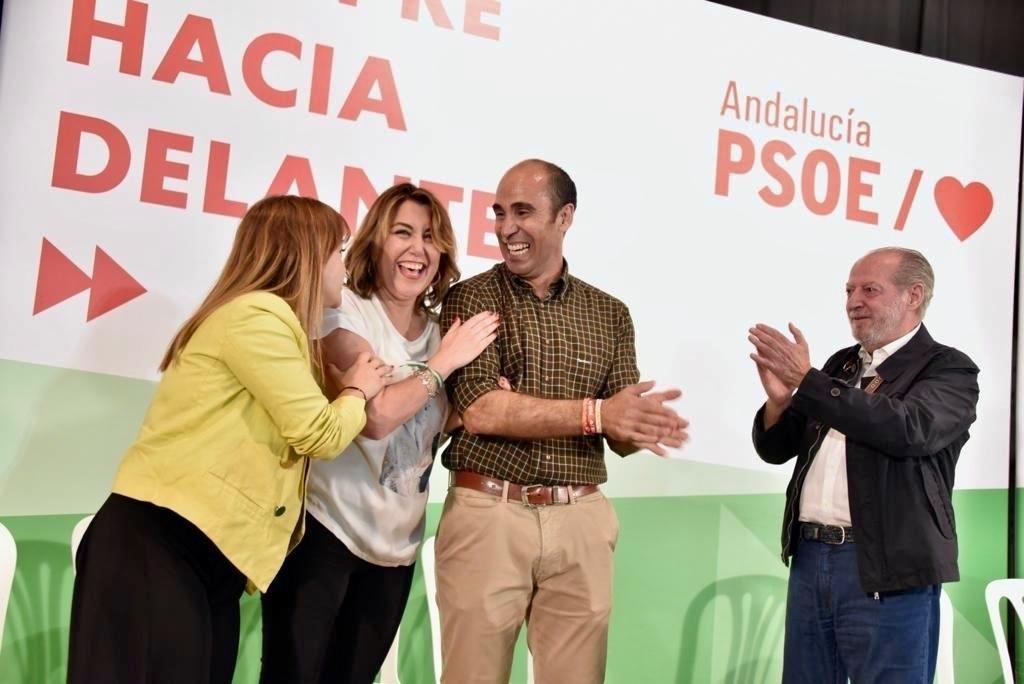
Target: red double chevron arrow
(60, 279)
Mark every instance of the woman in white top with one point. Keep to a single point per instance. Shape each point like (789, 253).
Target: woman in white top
(334, 609)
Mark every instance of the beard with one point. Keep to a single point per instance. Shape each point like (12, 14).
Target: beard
(883, 327)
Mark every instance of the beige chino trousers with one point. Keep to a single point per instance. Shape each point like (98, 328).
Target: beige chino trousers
(500, 562)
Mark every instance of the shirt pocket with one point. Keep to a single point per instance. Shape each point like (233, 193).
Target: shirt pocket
(590, 354)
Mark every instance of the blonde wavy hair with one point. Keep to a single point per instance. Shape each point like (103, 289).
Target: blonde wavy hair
(281, 246)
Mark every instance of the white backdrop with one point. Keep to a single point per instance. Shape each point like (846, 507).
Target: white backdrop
(633, 99)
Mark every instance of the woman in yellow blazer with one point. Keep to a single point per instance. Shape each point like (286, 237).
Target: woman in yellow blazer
(211, 494)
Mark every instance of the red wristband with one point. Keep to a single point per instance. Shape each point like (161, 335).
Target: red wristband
(589, 419)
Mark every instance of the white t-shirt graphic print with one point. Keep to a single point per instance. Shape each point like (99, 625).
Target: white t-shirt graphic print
(372, 497)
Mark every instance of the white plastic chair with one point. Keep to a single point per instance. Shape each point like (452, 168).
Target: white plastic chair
(430, 582)
(8, 560)
(389, 670)
(1013, 591)
(76, 539)
(944, 662)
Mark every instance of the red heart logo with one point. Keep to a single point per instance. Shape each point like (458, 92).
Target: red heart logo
(964, 208)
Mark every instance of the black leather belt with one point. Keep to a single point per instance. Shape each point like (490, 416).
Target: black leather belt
(829, 534)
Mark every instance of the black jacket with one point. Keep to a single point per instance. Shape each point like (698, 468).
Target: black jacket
(902, 445)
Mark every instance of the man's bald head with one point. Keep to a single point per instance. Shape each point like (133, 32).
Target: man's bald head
(561, 189)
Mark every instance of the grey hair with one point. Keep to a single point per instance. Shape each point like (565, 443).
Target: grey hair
(913, 268)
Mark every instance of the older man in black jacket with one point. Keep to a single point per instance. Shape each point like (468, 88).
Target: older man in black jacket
(869, 518)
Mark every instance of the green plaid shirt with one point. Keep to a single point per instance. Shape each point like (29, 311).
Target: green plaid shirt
(576, 343)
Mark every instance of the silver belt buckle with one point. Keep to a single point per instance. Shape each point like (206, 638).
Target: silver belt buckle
(524, 494)
(842, 539)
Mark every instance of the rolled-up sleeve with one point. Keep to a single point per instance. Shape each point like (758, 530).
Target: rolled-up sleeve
(623, 371)
(480, 376)
(266, 356)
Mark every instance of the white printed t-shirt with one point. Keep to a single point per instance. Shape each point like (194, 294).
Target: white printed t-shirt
(373, 496)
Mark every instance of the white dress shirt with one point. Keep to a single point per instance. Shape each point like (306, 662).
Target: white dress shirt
(825, 497)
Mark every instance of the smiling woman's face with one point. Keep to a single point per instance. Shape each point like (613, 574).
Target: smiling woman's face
(408, 259)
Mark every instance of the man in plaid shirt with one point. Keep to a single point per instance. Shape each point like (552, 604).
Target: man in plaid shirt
(526, 533)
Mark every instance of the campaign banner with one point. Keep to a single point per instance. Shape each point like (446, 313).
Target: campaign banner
(716, 190)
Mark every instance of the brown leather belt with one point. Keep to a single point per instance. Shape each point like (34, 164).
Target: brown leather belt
(528, 495)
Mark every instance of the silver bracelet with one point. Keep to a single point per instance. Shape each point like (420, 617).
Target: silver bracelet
(429, 381)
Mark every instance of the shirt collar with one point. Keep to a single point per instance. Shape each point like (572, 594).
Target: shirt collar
(558, 288)
(873, 361)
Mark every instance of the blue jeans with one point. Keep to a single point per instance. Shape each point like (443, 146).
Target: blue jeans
(834, 630)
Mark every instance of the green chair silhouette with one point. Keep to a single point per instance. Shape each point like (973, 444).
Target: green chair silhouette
(756, 609)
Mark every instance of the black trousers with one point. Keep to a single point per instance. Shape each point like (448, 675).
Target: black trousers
(329, 615)
(155, 601)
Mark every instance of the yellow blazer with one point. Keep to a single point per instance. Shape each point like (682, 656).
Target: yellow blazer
(225, 442)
